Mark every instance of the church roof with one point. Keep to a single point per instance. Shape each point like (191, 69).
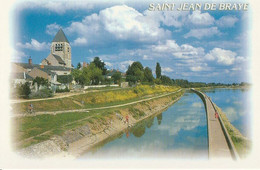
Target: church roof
(46, 67)
(60, 37)
(59, 59)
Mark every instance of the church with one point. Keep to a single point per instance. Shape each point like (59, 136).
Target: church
(57, 63)
(60, 51)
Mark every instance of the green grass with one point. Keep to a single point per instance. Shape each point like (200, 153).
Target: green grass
(94, 99)
(241, 143)
(39, 128)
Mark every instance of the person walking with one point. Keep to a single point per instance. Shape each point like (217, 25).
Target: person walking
(216, 115)
(127, 120)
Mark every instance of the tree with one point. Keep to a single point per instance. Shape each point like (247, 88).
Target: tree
(148, 75)
(78, 66)
(77, 76)
(166, 80)
(92, 75)
(100, 64)
(24, 90)
(158, 70)
(117, 77)
(64, 79)
(135, 72)
(41, 81)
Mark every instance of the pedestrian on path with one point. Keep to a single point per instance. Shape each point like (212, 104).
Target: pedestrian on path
(127, 120)
(216, 115)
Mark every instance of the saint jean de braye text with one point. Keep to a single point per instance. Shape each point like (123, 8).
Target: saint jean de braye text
(198, 6)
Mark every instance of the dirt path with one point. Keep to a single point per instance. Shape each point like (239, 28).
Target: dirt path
(97, 108)
(60, 96)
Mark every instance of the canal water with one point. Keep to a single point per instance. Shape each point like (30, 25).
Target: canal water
(236, 103)
(180, 132)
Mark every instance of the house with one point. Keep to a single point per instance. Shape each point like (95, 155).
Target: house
(58, 62)
(19, 78)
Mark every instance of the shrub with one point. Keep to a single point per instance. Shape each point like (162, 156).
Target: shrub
(24, 90)
(62, 90)
(44, 93)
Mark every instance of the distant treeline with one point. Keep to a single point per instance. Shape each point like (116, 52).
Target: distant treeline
(186, 83)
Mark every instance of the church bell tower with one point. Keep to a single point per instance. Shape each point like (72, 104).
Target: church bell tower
(60, 46)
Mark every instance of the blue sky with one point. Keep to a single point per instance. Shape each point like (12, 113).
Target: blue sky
(205, 46)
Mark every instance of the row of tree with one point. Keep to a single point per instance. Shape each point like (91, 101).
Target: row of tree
(94, 74)
(137, 73)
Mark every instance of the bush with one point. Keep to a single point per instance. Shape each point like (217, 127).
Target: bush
(62, 90)
(24, 90)
(44, 93)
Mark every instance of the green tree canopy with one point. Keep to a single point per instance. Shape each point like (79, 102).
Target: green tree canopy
(78, 77)
(64, 79)
(41, 81)
(92, 75)
(135, 72)
(78, 66)
(100, 64)
(166, 80)
(117, 77)
(148, 75)
(24, 90)
(158, 70)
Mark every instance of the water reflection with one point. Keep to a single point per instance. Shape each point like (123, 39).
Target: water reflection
(159, 118)
(180, 132)
(236, 104)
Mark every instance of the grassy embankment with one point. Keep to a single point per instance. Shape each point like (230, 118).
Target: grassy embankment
(242, 144)
(95, 99)
(35, 129)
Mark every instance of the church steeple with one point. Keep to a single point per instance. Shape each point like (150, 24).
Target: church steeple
(60, 46)
(60, 37)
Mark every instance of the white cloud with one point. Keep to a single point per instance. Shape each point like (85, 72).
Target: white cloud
(202, 32)
(224, 57)
(124, 65)
(197, 104)
(227, 21)
(167, 69)
(196, 68)
(52, 29)
(118, 23)
(17, 55)
(110, 65)
(79, 42)
(126, 23)
(173, 18)
(198, 18)
(145, 57)
(59, 7)
(231, 113)
(34, 45)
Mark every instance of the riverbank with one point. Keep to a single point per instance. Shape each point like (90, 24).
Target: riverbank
(93, 130)
(241, 143)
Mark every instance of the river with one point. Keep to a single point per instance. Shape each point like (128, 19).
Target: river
(236, 103)
(180, 132)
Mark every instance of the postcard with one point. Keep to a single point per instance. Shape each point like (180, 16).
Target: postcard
(129, 84)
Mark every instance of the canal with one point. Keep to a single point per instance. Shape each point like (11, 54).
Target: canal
(179, 132)
(236, 103)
